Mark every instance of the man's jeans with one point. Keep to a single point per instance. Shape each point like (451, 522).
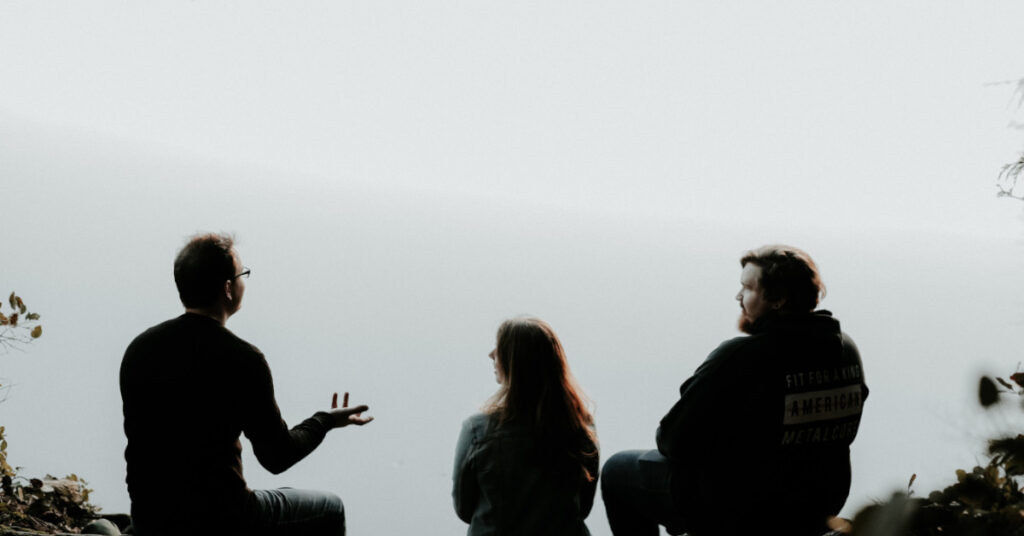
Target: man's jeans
(635, 486)
(274, 512)
(286, 511)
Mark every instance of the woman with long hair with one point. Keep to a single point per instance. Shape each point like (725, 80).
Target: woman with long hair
(528, 463)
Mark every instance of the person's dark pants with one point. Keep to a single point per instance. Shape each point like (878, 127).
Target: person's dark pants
(273, 512)
(635, 486)
(286, 511)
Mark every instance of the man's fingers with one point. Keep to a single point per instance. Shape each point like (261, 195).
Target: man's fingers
(360, 422)
(346, 416)
(354, 410)
(345, 403)
(334, 400)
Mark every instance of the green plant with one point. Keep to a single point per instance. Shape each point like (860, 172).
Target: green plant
(985, 501)
(44, 504)
(18, 327)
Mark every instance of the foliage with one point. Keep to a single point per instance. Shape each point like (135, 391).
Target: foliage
(45, 504)
(18, 327)
(983, 501)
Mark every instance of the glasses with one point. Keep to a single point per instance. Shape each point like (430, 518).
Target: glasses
(245, 273)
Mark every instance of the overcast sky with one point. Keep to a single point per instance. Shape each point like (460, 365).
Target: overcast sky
(404, 175)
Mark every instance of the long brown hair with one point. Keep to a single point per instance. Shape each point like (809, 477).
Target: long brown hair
(538, 388)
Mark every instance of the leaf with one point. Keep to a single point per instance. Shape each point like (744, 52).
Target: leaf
(1018, 378)
(988, 394)
(21, 304)
(3, 320)
(913, 477)
(14, 319)
(35, 316)
(13, 301)
(36, 332)
(992, 475)
(1001, 381)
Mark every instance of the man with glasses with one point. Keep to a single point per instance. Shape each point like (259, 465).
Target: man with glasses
(190, 388)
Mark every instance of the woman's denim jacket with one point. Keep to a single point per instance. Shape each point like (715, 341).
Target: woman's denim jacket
(505, 483)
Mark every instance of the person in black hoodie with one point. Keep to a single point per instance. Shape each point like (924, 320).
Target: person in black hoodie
(759, 441)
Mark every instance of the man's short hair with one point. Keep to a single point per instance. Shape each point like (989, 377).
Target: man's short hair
(787, 273)
(202, 267)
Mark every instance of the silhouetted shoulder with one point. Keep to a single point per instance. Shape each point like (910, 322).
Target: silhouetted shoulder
(730, 348)
(154, 332)
(193, 337)
(848, 343)
(475, 426)
(240, 345)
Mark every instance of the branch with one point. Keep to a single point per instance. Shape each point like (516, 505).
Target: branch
(1008, 178)
(1006, 193)
(10, 343)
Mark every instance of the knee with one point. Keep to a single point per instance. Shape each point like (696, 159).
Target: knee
(617, 468)
(326, 511)
(335, 512)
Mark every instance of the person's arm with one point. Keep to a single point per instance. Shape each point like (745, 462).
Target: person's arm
(853, 355)
(684, 419)
(701, 400)
(465, 490)
(276, 447)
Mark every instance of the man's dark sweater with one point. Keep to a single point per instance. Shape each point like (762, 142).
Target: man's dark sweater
(760, 438)
(190, 388)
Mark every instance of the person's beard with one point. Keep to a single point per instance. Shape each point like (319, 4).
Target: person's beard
(745, 323)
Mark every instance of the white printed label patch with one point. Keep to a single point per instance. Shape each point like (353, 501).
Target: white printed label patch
(824, 405)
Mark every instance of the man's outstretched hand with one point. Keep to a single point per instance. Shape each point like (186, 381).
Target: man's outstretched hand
(346, 415)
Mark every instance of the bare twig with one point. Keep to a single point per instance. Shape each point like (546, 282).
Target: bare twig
(1008, 178)
(1018, 91)
(15, 341)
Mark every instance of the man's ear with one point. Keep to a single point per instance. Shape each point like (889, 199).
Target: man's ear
(227, 289)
